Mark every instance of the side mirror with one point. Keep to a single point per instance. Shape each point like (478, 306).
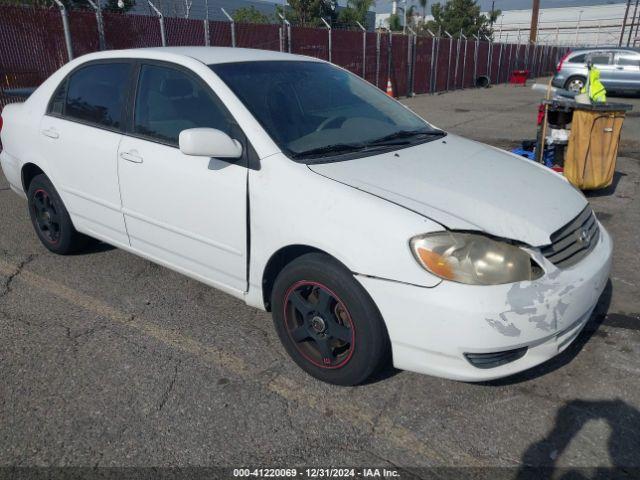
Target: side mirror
(208, 142)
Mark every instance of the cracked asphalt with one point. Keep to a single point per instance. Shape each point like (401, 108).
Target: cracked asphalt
(109, 360)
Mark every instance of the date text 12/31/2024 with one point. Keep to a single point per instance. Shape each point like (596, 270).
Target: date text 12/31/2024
(315, 473)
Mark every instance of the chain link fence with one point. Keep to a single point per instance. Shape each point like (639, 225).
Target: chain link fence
(35, 42)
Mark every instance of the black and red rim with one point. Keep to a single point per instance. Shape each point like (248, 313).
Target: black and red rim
(46, 216)
(319, 324)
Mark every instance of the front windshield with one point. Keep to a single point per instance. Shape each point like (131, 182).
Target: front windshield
(315, 111)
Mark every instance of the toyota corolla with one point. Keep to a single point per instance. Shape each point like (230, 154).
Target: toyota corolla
(371, 235)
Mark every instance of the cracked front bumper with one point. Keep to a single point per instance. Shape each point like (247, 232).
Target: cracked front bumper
(432, 328)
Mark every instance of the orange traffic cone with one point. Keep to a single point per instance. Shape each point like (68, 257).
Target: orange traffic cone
(389, 88)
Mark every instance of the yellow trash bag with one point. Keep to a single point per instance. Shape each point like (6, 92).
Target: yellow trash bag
(594, 87)
(593, 147)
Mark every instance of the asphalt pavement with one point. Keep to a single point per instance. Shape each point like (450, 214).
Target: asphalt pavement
(109, 360)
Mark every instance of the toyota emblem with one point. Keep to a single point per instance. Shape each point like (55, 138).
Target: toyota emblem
(583, 236)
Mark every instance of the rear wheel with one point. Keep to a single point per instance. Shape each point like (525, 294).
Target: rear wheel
(327, 322)
(50, 218)
(574, 84)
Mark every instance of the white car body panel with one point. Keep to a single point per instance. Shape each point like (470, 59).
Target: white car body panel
(350, 225)
(467, 186)
(362, 212)
(86, 174)
(434, 327)
(18, 131)
(189, 211)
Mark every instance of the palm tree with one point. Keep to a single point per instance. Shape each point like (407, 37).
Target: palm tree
(361, 7)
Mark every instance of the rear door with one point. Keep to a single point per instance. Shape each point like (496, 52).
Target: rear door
(80, 134)
(628, 70)
(185, 211)
(603, 61)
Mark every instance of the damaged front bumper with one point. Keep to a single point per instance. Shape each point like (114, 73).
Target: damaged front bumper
(433, 330)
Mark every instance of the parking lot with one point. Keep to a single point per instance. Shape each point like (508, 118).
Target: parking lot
(109, 360)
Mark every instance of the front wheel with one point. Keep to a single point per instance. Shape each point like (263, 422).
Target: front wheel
(327, 322)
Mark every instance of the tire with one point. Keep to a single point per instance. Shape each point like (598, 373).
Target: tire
(574, 84)
(327, 322)
(50, 218)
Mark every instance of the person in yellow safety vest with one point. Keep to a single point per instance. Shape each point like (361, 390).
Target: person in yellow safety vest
(594, 87)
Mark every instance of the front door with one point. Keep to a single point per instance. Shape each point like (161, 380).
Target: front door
(188, 212)
(628, 70)
(603, 61)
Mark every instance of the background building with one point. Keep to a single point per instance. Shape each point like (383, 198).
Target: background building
(568, 25)
(561, 22)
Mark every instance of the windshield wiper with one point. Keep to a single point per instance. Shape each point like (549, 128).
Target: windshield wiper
(401, 137)
(404, 136)
(335, 148)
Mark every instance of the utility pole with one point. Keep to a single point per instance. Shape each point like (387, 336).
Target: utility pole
(635, 37)
(404, 16)
(624, 22)
(493, 4)
(535, 13)
(578, 26)
(633, 20)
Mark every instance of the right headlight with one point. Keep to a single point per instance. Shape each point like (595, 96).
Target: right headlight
(473, 259)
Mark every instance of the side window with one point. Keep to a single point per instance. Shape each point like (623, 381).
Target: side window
(56, 106)
(629, 60)
(169, 101)
(96, 94)
(578, 58)
(600, 58)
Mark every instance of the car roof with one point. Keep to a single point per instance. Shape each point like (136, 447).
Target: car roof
(206, 55)
(605, 49)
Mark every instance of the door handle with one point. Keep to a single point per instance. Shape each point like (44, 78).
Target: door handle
(131, 156)
(50, 132)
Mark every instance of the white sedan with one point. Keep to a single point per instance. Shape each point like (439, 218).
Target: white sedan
(288, 182)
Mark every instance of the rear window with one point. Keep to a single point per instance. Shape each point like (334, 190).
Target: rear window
(96, 93)
(578, 58)
(56, 107)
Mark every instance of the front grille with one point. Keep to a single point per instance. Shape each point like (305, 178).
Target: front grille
(495, 359)
(574, 241)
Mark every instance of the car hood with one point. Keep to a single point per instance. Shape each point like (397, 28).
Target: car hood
(465, 185)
